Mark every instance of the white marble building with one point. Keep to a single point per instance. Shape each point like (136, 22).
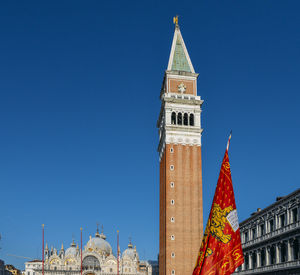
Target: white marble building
(97, 259)
(271, 238)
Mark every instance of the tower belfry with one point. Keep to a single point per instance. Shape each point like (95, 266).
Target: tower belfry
(179, 123)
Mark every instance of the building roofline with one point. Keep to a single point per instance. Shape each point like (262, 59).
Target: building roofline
(277, 202)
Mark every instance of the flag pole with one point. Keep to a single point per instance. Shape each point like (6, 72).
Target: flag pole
(43, 252)
(118, 252)
(81, 250)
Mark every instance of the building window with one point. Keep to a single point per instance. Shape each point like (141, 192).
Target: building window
(283, 253)
(172, 202)
(172, 237)
(282, 220)
(173, 255)
(179, 119)
(110, 270)
(172, 219)
(263, 258)
(172, 184)
(172, 150)
(192, 120)
(246, 237)
(173, 118)
(271, 225)
(253, 233)
(262, 229)
(254, 263)
(272, 255)
(246, 261)
(171, 167)
(185, 119)
(295, 215)
(173, 272)
(296, 251)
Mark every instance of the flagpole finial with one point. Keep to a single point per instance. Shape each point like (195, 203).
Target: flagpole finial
(228, 142)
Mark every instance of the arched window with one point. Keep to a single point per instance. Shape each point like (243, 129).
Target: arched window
(179, 119)
(173, 118)
(185, 119)
(192, 120)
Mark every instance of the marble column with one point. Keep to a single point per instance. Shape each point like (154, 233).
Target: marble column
(268, 255)
(250, 260)
(258, 264)
(277, 256)
(289, 250)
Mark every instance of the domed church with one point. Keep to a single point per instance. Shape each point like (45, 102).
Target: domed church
(97, 259)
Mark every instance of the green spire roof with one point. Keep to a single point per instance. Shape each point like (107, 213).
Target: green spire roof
(180, 62)
(179, 58)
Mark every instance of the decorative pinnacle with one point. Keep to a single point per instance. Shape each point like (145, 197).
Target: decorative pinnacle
(175, 21)
(130, 244)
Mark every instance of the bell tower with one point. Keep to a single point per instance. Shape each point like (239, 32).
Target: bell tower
(179, 123)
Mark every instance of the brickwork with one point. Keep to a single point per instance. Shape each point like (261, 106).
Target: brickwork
(190, 86)
(186, 226)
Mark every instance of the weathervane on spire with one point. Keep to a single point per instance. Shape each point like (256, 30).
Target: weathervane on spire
(175, 20)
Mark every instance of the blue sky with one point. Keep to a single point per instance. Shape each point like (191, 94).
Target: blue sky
(79, 100)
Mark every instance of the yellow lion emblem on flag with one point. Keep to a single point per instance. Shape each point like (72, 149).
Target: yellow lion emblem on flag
(218, 221)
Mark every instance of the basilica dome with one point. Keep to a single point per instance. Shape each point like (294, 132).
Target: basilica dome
(99, 244)
(71, 251)
(130, 252)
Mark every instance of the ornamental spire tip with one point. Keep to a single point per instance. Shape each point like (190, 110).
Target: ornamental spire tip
(175, 21)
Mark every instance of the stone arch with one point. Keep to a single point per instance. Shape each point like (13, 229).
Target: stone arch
(173, 118)
(91, 262)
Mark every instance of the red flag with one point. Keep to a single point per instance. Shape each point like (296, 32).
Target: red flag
(221, 249)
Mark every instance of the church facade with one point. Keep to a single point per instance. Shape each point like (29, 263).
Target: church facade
(97, 259)
(179, 124)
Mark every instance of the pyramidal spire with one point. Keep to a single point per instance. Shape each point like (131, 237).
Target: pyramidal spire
(179, 59)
